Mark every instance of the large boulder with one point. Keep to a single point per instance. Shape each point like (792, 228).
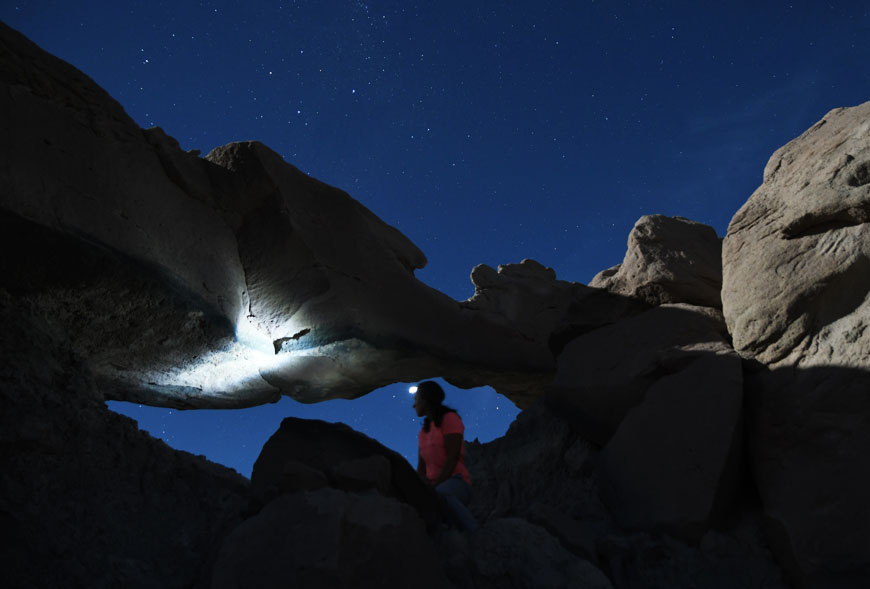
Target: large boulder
(604, 373)
(668, 260)
(796, 266)
(308, 454)
(222, 281)
(329, 538)
(662, 392)
(545, 473)
(796, 258)
(674, 462)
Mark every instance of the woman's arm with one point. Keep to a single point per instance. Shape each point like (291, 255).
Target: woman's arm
(453, 446)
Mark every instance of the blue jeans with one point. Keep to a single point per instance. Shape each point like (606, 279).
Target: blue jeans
(456, 494)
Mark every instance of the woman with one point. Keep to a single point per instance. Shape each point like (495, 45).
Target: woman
(441, 453)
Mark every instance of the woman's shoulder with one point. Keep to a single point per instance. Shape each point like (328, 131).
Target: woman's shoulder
(452, 423)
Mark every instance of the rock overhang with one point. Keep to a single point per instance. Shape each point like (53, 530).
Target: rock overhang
(222, 281)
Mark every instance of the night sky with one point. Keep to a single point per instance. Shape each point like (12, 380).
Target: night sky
(487, 132)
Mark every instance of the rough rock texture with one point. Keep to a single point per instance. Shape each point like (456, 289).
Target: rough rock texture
(342, 458)
(544, 472)
(796, 267)
(511, 552)
(87, 500)
(795, 259)
(330, 538)
(669, 260)
(282, 284)
(528, 297)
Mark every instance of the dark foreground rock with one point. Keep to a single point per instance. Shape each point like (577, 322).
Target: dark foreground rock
(330, 538)
(86, 499)
(307, 454)
(544, 472)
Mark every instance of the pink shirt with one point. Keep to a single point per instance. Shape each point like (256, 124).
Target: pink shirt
(434, 452)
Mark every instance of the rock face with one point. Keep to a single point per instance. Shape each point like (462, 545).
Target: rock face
(795, 259)
(795, 297)
(669, 260)
(283, 285)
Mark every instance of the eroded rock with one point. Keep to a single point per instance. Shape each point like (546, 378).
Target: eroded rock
(795, 259)
(669, 260)
(216, 282)
(529, 298)
(795, 297)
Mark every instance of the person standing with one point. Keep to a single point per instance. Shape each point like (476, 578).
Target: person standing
(442, 452)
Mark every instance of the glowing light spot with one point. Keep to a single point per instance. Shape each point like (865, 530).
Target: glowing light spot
(412, 389)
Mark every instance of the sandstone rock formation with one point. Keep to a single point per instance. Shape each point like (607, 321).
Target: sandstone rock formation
(527, 297)
(146, 273)
(282, 284)
(795, 259)
(795, 297)
(669, 260)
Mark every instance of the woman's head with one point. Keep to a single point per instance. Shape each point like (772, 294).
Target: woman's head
(430, 392)
(428, 402)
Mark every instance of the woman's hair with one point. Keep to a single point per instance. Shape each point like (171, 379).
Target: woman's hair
(434, 396)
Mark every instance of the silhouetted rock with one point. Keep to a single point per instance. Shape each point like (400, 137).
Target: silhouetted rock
(86, 499)
(543, 471)
(329, 538)
(511, 552)
(669, 260)
(348, 460)
(673, 464)
(602, 374)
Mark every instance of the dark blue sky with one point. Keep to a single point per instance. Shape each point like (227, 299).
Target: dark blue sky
(487, 132)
